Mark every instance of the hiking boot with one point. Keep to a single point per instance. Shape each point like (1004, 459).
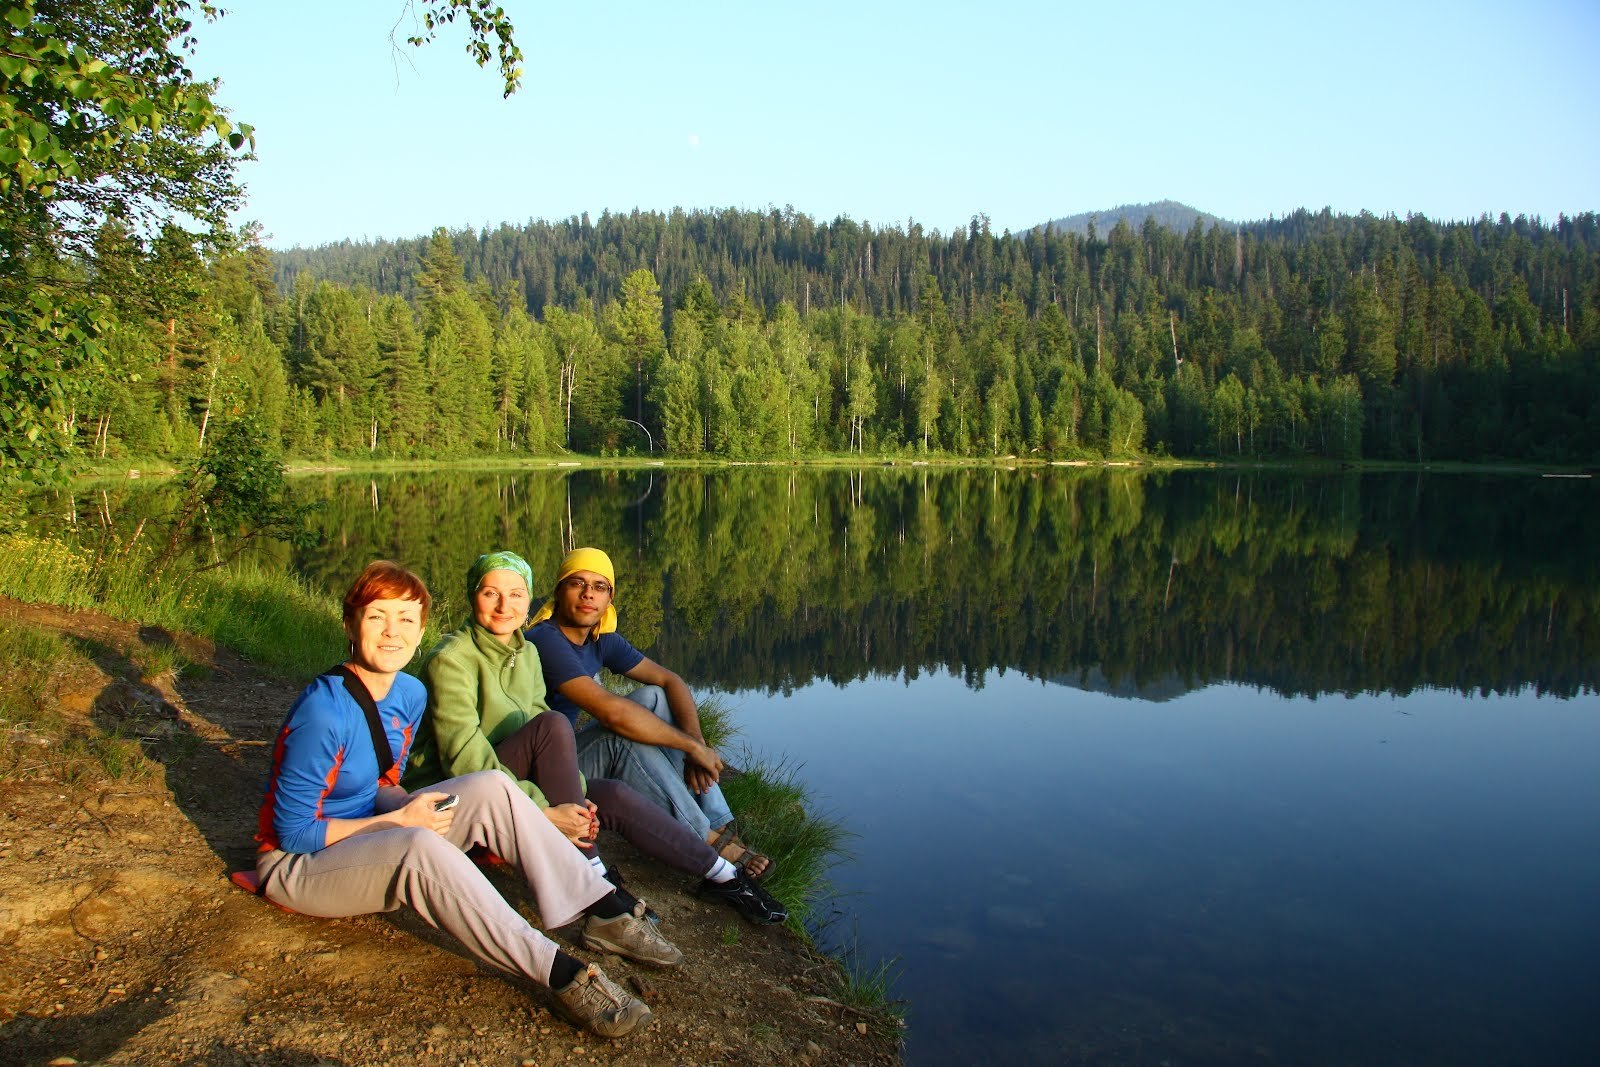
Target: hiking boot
(599, 1005)
(631, 936)
(745, 896)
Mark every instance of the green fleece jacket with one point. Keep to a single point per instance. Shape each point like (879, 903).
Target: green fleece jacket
(480, 692)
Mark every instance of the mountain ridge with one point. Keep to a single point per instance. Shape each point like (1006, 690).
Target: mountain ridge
(1175, 216)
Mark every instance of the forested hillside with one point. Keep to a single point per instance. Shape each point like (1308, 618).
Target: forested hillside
(1168, 213)
(751, 334)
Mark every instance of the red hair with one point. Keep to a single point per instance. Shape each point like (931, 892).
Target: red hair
(384, 580)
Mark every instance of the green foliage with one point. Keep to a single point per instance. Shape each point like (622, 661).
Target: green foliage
(1103, 359)
(45, 347)
(1012, 328)
(108, 148)
(100, 118)
(231, 495)
(99, 121)
(636, 324)
(489, 29)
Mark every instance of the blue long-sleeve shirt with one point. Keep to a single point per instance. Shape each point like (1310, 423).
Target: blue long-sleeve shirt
(323, 766)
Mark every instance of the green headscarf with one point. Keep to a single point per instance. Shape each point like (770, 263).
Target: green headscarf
(496, 561)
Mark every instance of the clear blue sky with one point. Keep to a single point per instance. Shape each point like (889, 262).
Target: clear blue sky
(932, 111)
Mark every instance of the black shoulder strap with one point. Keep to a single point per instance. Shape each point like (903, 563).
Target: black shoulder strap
(380, 738)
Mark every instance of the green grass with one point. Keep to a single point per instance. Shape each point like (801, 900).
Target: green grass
(44, 571)
(160, 660)
(270, 617)
(716, 723)
(774, 818)
(868, 987)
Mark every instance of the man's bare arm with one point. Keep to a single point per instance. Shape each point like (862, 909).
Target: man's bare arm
(626, 719)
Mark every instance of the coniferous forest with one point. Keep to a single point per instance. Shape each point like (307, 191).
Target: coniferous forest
(136, 324)
(744, 334)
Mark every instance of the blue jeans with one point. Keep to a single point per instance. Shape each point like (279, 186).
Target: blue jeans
(655, 772)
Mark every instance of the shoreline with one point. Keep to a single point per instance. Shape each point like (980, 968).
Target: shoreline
(101, 474)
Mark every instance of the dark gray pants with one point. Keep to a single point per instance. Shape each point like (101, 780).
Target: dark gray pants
(544, 752)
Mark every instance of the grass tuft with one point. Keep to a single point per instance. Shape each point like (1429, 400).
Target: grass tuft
(867, 987)
(716, 722)
(803, 844)
(158, 660)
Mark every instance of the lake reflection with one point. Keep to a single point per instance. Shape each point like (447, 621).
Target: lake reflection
(1147, 769)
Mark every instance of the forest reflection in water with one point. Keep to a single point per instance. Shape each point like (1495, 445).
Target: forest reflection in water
(1216, 767)
(771, 577)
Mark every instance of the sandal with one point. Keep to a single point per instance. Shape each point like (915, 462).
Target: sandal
(731, 847)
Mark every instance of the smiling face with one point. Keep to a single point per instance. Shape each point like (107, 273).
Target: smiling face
(581, 600)
(384, 634)
(500, 604)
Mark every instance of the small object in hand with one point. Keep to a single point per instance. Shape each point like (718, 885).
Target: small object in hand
(448, 802)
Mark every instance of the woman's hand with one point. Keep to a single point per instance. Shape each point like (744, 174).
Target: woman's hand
(594, 819)
(576, 822)
(421, 812)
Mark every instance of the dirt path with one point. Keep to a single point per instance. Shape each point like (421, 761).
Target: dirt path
(123, 942)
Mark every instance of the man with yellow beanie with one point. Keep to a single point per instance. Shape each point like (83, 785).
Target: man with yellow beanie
(649, 739)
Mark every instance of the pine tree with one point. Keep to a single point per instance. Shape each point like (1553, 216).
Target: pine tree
(406, 399)
(639, 332)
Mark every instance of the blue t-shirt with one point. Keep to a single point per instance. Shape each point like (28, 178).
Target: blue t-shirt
(563, 661)
(323, 766)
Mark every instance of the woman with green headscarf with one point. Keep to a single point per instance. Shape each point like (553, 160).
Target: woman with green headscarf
(487, 710)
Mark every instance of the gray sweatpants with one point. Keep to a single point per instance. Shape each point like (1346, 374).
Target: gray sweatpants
(383, 869)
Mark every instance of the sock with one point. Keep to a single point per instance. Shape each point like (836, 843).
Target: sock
(564, 971)
(721, 871)
(599, 867)
(628, 900)
(608, 907)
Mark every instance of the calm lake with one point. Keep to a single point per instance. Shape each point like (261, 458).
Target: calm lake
(1166, 769)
